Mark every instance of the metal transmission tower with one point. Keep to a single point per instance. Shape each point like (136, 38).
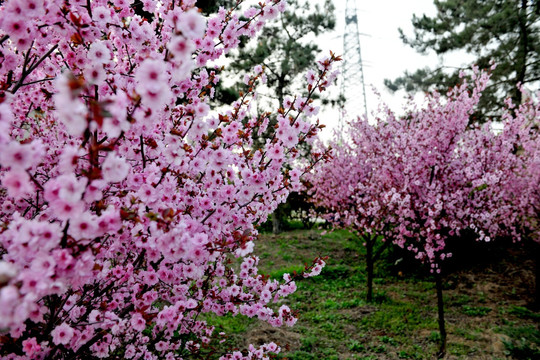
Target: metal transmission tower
(353, 89)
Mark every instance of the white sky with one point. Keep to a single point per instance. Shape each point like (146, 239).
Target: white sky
(384, 54)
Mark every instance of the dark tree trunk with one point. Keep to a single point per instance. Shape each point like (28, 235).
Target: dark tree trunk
(277, 220)
(522, 52)
(440, 307)
(369, 267)
(536, 251)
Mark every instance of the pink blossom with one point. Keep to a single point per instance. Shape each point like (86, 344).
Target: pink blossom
(65, 187)
(62, 334)
(149, 5)
(83, 226)
(115, 168)
(311, 77)
(17, 183)
(315, 270)
(151, 74)
(266, 296)
(258, 69)
(44, 264)
(30, 346)
(181, 46)
(275, 152)
(94, 73)
(138, 322)
(191, 24)
(94, 191)
(14, 26)
(102, 14)
(99, 53)
(16, 156)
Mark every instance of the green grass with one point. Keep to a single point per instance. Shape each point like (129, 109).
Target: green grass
(475, 310)
(335, 321)
(523, 313)
(523, 342)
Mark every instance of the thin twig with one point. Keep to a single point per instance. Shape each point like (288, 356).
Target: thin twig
(4, 38)
(27, 72)
(38, 81)
(141, 141)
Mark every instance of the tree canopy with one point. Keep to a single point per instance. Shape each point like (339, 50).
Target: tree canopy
(503, 31)
(284, 47)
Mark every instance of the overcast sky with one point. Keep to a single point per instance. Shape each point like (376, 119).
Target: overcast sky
(384, 54)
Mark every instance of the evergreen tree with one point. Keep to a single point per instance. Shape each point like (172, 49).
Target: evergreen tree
(286, 48)
(503, 31)
(212, 6)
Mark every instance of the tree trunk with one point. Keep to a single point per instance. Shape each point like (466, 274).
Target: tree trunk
(369, 267)
(277, 220)
(522, 51)
(440, 307)
(536, 252)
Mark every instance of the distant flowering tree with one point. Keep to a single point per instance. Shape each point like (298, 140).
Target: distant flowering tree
(454, 179)
(531, 200)
(427, 177)
(351, 190)
(123, 195)
(527, 187)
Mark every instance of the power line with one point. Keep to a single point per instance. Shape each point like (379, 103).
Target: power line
(353, 89)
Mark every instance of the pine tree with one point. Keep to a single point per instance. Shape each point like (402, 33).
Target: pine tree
(286, 49)
(212, 6)
(504, 31)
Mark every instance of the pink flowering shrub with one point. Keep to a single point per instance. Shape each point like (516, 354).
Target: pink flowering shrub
(124, 196)
(424, 178)
(455, 176)
(421, 180)
(351, 190)
(527, 188)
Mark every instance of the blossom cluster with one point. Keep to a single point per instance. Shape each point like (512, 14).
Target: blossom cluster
(125, 198)
(422, 179)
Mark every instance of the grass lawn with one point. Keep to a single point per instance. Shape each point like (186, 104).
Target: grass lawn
(486, 313)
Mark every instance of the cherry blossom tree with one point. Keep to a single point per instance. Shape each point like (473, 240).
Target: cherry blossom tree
(527, 187)
(426, 177)
(532, 201)
(125, 197)
(351, 190)
(454, 179)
